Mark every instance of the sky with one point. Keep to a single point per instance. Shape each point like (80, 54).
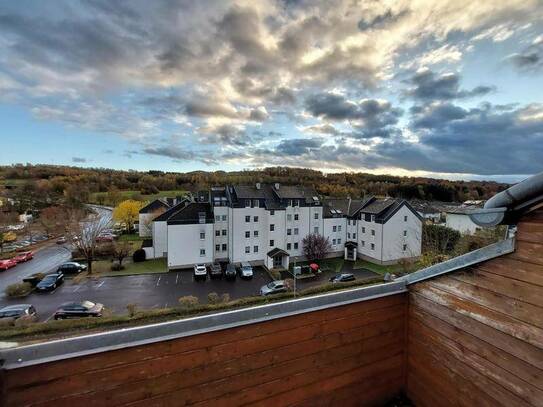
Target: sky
(449, 89)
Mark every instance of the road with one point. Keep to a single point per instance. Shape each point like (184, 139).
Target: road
(147, 291)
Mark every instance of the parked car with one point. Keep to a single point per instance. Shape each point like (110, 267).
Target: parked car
(342, 278)
(16, 311)
(71, 267)
(7, 264)
(200, 271)
(215, 270)
(246, 270)
(61, 240)
(275, 287)
(78, 310)
(24, 256)
(104, 239)
(230, 272)
(50, 282)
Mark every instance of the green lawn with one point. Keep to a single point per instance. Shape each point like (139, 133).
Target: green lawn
(102, 268)
(382, 269)
(101, 197)
(132, 237)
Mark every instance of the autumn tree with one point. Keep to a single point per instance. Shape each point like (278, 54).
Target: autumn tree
(53, 220)
(114, 196)
(315, 246)
(6, 219)
(127, 212)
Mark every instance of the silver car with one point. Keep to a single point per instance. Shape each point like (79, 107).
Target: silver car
(275, 287)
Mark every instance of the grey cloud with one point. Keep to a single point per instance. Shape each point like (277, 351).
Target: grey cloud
(427, 86)
(79, 160)
(258, 115)
(203, 108)
(381, 20)
(170, 152)
(529, 59)
(298, 146)
(325, 128)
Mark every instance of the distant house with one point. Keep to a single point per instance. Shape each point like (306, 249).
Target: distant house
(459, 219)
(151, 211)
(429, 211)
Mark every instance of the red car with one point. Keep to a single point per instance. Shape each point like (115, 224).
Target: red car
(104, 239)
(7, 264)
(24, 256)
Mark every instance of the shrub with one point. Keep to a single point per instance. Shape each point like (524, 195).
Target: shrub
(34, 279)
(18, 289)
(116, 267)
(188, 301)
(225, 297)
(132, 309)
(138, 256)
(213, 298)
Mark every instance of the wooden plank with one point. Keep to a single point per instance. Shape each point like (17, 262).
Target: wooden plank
(423, 344)
(49, 372)
(534, 216)
(514, 289)
(503, 359)
(516, 347)
(529, 252)
(496, 320)
(456, 285)
(122, 375)
(498, 375)
(510, 268)
(530, 232)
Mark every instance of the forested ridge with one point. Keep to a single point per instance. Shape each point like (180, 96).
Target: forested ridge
(59, 179)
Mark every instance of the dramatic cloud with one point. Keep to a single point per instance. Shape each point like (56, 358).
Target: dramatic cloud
(296, 147)
(531, 58)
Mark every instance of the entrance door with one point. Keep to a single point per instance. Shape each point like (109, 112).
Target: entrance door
(278, 261)
(350, 253)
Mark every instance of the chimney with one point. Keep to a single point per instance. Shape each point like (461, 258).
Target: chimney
(277, 185)
(258, 185)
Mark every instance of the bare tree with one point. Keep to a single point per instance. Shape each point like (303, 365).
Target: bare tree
(84, 231)
(315, 246)
(121, 250)
(53, 220)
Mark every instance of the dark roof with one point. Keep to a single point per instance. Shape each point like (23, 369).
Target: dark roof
(276, 251)
(252, 192)
(295, 192)
(147, 243)
(378, 205)
(351, 244)
(154, 205)
(347, 206)
(166, 215)
(190, 214)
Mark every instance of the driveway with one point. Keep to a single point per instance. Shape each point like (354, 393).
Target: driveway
(147, 291)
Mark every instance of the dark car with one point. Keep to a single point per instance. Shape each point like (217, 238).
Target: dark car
(26, 311)
(50, 282)
(230, 272)
(215, 270)
(71, 267)
(78, 310)
(342, 278)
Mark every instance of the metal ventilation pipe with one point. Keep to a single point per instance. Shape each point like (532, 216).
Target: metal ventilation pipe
(514, 198)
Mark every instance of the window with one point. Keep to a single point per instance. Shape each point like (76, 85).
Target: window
(217, 247)
(373, 218)
(247, 234)
(202, 235)
(255, 233)
(289, 232)
(288, 246)
(372, 246)
(367, 217)
(272, 227)
(316, 215)
(247, 249)
(256, 203)
(296, 202)
(339, 228)
(217, 233)
(255, 249)
(333, 242)
(354, 235)
(224, 218)
(373, 232)
(296, 231)
(217, 218)
(255, 218)
(405, 218)
(224, 232)
(339, 241)
(363, 229)
(247, 219)
(224, 247)
(334, 228)
(272, 242)
(348, 235)
(247, 203)
(296, 216)
(289, 217)
(296, 246)
(363, 243)
(404, 247)
(316, 230)
(202, 252)
(272, 212)
(405, 233)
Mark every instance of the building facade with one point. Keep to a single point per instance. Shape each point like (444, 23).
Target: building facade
(265, 225)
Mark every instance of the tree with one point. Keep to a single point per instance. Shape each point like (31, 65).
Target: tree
(83, 232)
(6, 219)
(53, 220)
(439, 239)
(127, 212)
(113, 196)
(315, 246)
(121, 250)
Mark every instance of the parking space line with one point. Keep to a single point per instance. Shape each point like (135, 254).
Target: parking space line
(158, 281)
(101, 284)
(77, 288)
(176, 278)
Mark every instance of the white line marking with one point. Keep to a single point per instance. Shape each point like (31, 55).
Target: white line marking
(158, 281)
(176, 278)
(101, 284)
(77, 288)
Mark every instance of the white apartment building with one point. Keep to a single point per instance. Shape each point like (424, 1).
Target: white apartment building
(265, 225)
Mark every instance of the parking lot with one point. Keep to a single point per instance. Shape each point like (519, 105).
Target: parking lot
(147, 291)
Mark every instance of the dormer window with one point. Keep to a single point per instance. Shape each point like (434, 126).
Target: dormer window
(247, 203)
(202, 217)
